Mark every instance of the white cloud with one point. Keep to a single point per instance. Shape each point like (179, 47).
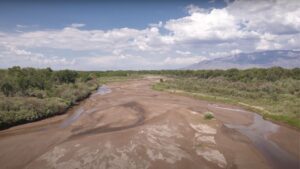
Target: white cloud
(77, 25)
(21, 26)
(158, 25)
(216, 24)
(10, 55)
(242, 26)
(268, 16)
(195, 9)
(183, 52)
(183, 60)
(224, 54)
(76, 39)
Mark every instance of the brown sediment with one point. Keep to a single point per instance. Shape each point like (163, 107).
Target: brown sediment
(291, 143)
(131, 126)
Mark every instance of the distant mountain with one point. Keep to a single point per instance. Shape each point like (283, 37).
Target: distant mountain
(282, 58)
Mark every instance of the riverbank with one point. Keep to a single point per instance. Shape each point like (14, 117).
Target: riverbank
(129, 125)
(20, 110)
(281, 107)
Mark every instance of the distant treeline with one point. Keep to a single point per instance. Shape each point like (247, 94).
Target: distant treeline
(254, 74)
(267, 74)
(29, 94)
(274, 92)
(18, 81)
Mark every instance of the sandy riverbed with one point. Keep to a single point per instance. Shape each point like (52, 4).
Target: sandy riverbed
(128, 125)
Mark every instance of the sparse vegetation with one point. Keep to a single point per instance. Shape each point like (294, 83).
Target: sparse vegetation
(273, 92)
(29, 94)
(208, 115)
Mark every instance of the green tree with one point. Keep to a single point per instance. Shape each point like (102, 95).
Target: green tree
(66, 76)
(7, 89)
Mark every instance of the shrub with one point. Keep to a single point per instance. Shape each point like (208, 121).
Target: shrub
(208, 115)
(7, 89)
(66, 76)
(40, 93)
(86, 78)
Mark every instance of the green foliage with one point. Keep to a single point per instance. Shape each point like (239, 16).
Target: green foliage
(29, 94)
(7, 88)
(248, 75)
(40, 93)
(284, 118)
(113, 73)
(86, 77)
(65, 76)
(208, 115)
(275, 90)
(20, 110)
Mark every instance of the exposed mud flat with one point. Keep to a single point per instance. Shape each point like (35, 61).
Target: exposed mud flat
(128, 125)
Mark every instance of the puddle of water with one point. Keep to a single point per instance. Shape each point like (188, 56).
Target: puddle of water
(258, 133)
(103, 90)
(226, 108)
(73, 118)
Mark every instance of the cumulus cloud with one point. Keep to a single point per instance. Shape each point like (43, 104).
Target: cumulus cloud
(256, 21)
(10, 55)
(77, 25)
(268, 16)
(225, 53)
(241, 26)
(183, 52)
(208, 25)
(183, 60)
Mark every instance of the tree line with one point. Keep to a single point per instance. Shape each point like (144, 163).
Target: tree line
(253, 74)
(17, 81)
(28, 94)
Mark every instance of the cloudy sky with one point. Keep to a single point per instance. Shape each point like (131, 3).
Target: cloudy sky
(115, 34)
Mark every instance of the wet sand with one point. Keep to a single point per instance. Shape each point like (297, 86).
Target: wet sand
(129, 125)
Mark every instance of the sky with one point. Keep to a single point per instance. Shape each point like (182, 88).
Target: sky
(131, 34)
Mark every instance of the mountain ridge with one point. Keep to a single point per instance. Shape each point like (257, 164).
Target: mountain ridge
(261, 59)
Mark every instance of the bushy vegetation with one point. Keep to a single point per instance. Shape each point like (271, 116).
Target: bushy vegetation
(249, 75)
(273, 92)
(29, 94)
(208, 115)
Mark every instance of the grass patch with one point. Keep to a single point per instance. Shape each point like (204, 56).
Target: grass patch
(284, 119)
(278, 101)
(110, 79)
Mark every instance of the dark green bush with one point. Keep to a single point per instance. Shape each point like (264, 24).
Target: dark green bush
(7, 89)
(40, 93)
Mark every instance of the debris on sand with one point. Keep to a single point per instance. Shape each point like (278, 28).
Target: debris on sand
(203, 128)
(212, 155)
(205, 136)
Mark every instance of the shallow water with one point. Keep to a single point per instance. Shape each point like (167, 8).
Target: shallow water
(103, 90)
(226, 108)
(258, 132)
(100, 91)
(73, 118)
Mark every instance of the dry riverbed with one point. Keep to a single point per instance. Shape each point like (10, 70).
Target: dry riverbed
(128, 125)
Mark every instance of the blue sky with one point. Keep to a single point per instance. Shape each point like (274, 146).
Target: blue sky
(94, 14)
(102, 35)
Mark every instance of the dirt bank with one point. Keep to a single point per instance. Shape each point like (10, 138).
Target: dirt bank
(128, 125)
